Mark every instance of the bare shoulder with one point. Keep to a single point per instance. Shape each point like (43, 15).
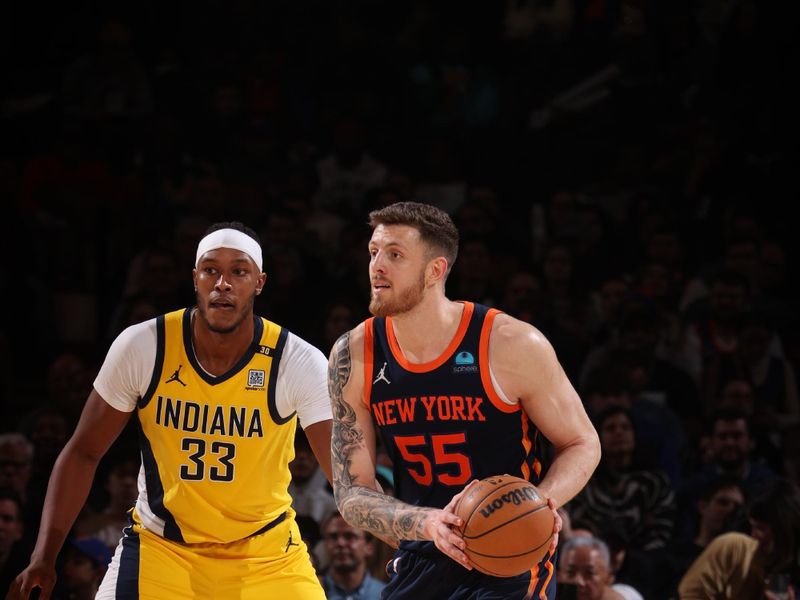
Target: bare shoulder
(346, 364)
(510, 336)
(350, 343)
(521, 358)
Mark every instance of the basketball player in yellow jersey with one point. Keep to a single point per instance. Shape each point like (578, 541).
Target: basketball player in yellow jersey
(217, 391)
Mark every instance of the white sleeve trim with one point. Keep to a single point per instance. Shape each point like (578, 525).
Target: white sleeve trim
(302, 384)
(128, 368)
(499, 391)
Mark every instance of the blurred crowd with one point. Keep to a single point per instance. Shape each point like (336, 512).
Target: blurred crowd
(618, 170)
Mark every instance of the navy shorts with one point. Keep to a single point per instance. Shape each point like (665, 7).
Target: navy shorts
(426, 573)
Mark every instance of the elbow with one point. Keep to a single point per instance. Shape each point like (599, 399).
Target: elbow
(76, 453)
(344, 504)
(341, 493)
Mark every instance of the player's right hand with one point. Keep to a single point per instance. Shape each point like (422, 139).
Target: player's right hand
(439, 527)
(37, 575)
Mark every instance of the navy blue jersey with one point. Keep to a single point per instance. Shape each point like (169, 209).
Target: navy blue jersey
(443, 423)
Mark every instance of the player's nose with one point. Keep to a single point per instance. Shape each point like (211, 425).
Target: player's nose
(221, 283)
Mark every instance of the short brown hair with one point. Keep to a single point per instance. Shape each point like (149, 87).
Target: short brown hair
(435, 226)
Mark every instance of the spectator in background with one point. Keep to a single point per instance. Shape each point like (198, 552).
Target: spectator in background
(647, 373)
(349, 172)
(522, 296)
(729, 453)
(631, 570)
(85, 563)
(48, 430)
(607, 301)
(16, 467)
(472, 274)
(564, 299)
(135, 309)
(311, 535)
(152, 275)
(626, 490)
(737, 395)
(14, 551)
(659, 434)
(122, 472)
(775, 297)
(658, 285)
(348, 550)
(719, 509)
(713, 322)
(596, 251)
(309, 487)
(736, 565)
(585, 563)
(68, 382)
(338, 318)
(773, 377)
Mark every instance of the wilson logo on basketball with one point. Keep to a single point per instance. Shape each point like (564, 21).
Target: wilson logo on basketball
(515, 497)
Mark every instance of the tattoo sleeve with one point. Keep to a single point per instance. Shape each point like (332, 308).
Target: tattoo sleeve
(362, 507)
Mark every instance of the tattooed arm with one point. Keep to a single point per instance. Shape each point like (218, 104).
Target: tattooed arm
(353, 463)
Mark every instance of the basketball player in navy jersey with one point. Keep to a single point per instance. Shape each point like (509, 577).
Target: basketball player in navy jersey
(457, 392)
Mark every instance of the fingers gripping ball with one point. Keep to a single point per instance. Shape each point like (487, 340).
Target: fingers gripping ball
(507, 525)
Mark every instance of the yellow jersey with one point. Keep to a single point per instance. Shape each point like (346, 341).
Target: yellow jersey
(215, 449)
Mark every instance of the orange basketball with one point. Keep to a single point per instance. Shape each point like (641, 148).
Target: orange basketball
(507, 525)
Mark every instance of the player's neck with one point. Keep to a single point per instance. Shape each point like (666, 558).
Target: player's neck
(216, 352)
(424, 332)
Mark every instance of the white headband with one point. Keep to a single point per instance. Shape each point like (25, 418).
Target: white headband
(230, 238)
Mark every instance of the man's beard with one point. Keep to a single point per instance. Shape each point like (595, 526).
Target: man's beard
(404, 303)
(246, 311)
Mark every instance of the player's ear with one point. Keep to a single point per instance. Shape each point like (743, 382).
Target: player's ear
(436, 269)
(194, 278)
(262, 279)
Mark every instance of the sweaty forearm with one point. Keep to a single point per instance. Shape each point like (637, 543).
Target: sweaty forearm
(67, 491)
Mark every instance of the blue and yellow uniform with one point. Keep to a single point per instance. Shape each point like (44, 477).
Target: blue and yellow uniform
(444, 423)
(213, 519)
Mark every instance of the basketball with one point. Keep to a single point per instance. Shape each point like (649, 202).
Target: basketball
(507, 525)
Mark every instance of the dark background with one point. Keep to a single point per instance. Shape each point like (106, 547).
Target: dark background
(585, 148)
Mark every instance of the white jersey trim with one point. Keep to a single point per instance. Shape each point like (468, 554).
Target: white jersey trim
(498, 390)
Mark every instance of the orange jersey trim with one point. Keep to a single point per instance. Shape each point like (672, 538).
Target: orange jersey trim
(486, 377)
(526, 443)
(535, 579)
(437, 362)
(368, 358)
